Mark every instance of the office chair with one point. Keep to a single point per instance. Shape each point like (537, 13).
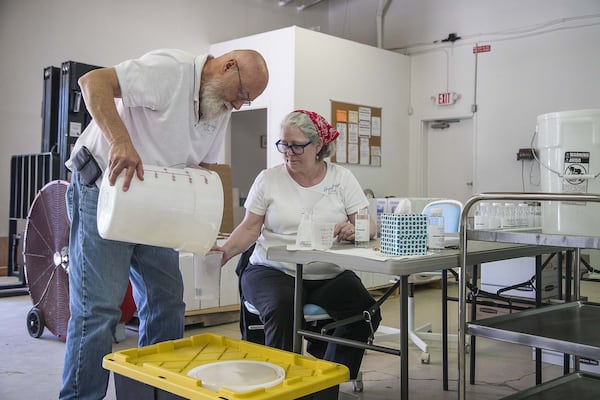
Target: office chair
(252, 328)
(451, 210)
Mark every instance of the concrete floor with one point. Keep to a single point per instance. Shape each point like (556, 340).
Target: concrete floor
(31, 368)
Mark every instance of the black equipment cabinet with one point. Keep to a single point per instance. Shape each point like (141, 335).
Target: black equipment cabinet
(50, 110)
(64, 117)
(28, 174)
(73, 116)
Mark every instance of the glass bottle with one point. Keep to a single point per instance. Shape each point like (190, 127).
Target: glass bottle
(436, 229)
(362, 232)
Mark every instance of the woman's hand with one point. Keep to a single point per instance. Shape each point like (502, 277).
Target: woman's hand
(344, 231)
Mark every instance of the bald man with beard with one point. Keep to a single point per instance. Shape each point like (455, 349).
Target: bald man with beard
(167, 108)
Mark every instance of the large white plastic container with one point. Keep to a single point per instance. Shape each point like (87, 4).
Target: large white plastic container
(178, 208)
(569, 154)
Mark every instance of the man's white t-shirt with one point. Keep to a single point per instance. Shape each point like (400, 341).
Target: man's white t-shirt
(282, 200)
(159, 107)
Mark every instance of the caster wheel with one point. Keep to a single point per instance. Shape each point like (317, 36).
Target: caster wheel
(425, 358)
(467, 348)
(357, 384)
(35, 322)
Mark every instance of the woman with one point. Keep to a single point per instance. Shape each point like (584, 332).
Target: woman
(275, 203)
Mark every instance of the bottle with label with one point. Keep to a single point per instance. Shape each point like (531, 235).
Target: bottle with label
(362, 233)
(436, 229)
(482, 216)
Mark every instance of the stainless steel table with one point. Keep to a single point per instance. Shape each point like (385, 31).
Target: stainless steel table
(479, 252)
(571, 334)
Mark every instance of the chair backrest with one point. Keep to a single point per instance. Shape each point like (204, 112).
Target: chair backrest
(451, 210)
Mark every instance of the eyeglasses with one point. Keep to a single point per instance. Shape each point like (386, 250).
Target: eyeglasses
(243, 95)
(297, 149)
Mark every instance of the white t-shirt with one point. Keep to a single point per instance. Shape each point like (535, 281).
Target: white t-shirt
(281, 200)
(159, 106)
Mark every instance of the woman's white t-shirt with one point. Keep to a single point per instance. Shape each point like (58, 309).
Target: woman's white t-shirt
(281, 200)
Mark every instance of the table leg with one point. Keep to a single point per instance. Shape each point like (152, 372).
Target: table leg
(404, 337)
(445, 329)
(298, 310)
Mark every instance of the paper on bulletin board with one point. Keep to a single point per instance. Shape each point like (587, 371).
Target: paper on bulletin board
(352, 153)
(364, 128)
(341, 128)
(353, 117)
(376, 126)
(365, 151)
(375, 156)
(364, 113)
(352, 133)
(364, 121)
(375, 151)
(340, 116)
(341, 142)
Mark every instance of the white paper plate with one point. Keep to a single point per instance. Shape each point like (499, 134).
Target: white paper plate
(238, 375)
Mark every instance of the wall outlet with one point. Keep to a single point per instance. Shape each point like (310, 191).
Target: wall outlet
(525, 154)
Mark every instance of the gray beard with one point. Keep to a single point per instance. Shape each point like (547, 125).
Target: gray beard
(212, 106)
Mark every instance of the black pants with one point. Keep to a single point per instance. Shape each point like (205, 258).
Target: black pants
(271, 292)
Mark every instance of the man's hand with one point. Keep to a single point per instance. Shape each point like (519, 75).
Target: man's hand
(123, 156)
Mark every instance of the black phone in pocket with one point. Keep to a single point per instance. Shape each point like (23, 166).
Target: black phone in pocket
(87, 166)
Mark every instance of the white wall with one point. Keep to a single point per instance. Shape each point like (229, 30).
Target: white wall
(524, 75)
(551, 65)
(522, 79)
(35, 34)
(518, 80)
(310, 68)
(329, 68)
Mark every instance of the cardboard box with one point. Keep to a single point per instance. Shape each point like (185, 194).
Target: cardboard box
(556, 358)
(3, 256)
(224, 171)
(487, 308)
(501, 274)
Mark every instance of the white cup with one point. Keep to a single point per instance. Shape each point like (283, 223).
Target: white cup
(207, 275)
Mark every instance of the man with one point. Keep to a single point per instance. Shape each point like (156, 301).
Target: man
(167, 108)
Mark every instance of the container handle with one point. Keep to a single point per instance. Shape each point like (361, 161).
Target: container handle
(557, 173)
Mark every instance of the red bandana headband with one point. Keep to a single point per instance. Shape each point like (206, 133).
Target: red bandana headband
(327, 133)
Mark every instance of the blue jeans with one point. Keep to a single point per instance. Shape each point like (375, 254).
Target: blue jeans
(99, 272)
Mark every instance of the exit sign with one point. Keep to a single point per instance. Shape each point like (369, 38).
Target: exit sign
(482, 49)
(445, 99)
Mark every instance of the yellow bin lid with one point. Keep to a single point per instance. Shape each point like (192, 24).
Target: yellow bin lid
(167, 366)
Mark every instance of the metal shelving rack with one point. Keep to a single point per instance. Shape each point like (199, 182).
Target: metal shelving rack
(567, 328)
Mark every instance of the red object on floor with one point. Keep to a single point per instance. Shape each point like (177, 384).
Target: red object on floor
(128, 306)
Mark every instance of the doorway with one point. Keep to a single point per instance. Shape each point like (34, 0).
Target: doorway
(448, 158)
(248, 150)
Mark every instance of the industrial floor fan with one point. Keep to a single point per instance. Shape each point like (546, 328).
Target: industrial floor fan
(46, 259)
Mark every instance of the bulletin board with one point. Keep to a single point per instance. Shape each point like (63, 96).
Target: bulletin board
(360, 134)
